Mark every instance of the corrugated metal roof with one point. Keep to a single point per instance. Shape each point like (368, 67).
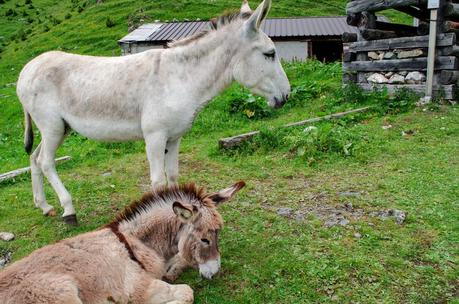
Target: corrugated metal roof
(274, 28)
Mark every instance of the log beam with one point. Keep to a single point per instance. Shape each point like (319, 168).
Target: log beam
(14, 173)
(230, 142)
(412, 64)
(443, 40)
(359, 6)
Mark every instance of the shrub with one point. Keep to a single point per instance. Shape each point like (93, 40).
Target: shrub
(248, 105)
(109, 22)
(10, 12)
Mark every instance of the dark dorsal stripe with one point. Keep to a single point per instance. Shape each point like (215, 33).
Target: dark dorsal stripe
(114, 227)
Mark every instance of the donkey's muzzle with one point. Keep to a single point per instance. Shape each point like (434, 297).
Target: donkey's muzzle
(279, 102)
(209, 268)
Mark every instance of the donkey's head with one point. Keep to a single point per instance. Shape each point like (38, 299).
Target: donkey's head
(256, 64)
(198, 239)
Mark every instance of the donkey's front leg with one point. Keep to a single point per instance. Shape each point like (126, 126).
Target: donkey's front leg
(172, 166)
(156, 145)
(160, 292)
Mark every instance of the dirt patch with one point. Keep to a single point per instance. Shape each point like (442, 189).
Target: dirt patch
(340, 215)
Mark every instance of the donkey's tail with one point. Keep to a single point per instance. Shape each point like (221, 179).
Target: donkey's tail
(28, 132)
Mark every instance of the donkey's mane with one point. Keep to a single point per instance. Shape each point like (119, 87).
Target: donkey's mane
(162, 196)
(226, 18)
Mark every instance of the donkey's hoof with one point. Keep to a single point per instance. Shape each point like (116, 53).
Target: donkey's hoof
(51, 213)
(70, 220)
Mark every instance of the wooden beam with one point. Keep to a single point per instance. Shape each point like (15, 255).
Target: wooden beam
(448, 91)
(372, 34)
(230, 142)
(449, 77)
(349, 37)
(401, 43)
(451, 10)
(14, 173)
(412, 64)
(359, 6)
(452, 50)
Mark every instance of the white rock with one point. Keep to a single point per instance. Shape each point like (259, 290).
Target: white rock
(415, 78)
(388, 75)
(403, 73)
(377, 78)
(389, 55)
(410, 54)
(6, 236)
(396, 78)
(373, 55)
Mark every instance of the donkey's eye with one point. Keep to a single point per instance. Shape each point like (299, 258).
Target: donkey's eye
(270, 54)
(205, 241)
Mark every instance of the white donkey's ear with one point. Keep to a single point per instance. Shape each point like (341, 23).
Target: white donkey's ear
(183, 212)
(245, 8)
(226, 194)
(254, 22)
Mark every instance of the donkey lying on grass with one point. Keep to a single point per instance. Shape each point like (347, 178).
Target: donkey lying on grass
(154, 95)
(157, 237)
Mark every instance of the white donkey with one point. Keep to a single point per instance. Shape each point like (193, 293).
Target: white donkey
(154, 95)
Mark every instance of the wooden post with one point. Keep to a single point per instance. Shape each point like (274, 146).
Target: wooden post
(433, 5)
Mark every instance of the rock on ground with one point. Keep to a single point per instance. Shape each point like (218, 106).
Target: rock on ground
(6, 236)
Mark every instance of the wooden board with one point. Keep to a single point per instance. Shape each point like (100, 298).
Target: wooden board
(449, 91)
(359, 6)
(412, 64)
(14, 173)
(401, 43)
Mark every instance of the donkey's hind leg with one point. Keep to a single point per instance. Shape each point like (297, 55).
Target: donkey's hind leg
(49, 144)
(37, 184)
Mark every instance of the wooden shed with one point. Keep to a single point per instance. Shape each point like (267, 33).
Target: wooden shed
(296, 38)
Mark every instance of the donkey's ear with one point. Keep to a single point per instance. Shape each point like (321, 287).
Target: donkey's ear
(226, 194)
(254, 22)
(183, 212)
(245, 8)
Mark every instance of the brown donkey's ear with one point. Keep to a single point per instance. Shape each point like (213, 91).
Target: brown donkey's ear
(226, 194)
(183, 212)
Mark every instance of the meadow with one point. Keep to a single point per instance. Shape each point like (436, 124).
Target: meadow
(395, 156)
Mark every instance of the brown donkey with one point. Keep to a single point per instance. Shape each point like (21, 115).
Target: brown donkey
(155, 238)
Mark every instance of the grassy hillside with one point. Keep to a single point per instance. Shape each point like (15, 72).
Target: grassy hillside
(266, 258)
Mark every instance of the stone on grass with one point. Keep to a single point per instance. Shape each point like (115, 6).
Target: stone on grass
(400, 216)
(377, 78)
(6, 236)
(5, 257)
(286, 212)
(357, 235)
(349, 193)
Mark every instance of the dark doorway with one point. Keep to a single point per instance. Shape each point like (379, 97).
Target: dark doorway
(327, 51)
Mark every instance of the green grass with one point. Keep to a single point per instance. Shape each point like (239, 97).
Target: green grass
(266, 258)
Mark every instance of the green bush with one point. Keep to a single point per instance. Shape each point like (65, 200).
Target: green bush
(252, 107)
(109, 22)
(10, 13)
